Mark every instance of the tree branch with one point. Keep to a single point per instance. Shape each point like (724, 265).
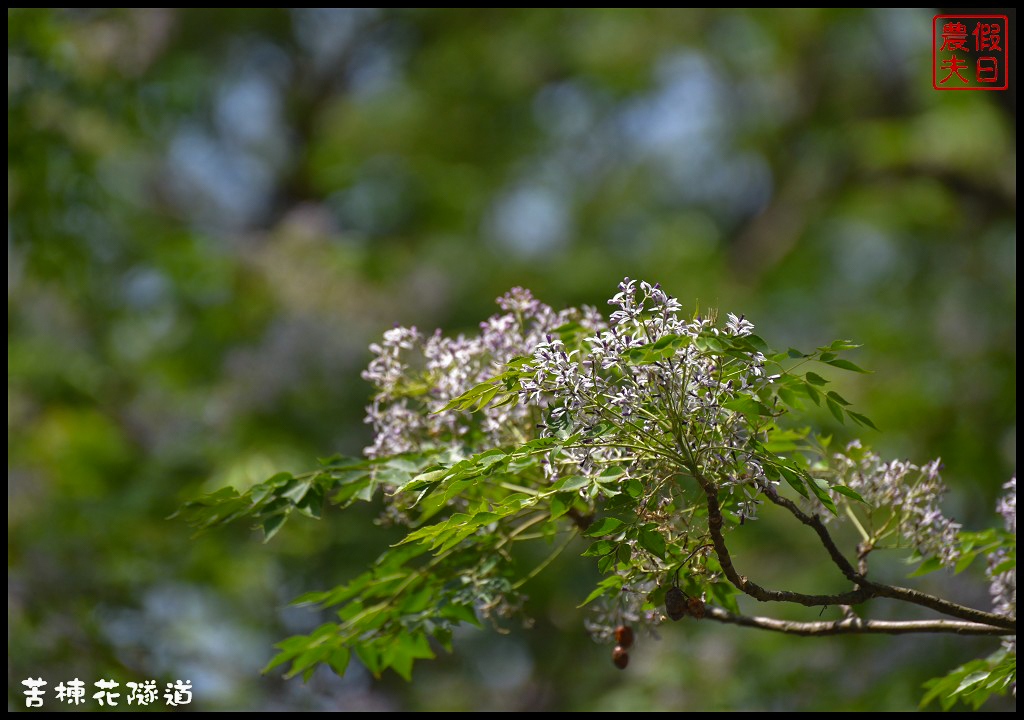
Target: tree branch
(741, 582)
(943, 606)
(819, 527)
(881, 589)
(854, 626)
(865, 589)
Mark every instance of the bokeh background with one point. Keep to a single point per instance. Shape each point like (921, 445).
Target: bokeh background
(211, 213)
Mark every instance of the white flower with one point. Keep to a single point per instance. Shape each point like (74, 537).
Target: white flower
(738, 326)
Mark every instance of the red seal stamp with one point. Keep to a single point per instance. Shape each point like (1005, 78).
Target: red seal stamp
(969, 52)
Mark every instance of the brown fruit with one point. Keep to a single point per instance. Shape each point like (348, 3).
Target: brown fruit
(620, 657)
(624, 636)
(696, 607)
(675, 603)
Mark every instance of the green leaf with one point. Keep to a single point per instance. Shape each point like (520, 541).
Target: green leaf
(486, 397)
(611, 473)
(355, 485)
(928, 566)
(289, 649)
(837, 397)
(861, 419)
(599, 549)
(403, 650)
(338, 660)
(370, 658)
(963, 563)
(794, 480)
(560, 506)
(849, 492)
(606, 563)
(311, 503)
(624, 553)
(567, 330)
(820, 490)
(461, 613)
(468, 398)
(609, 583)
(510, 399)
(662, 349)
(1007, 564)
(594, 595)
(431, 475)
(295, 489)
(810, 392)
(443, 635)
(714, 343)
(815, 379)
(634, 488)
(663, 342)
(744, 405)
(604, 526)
(779, 440)
(272, 524)
(490, 457)
(845, 365)
(757, 342)
(836, 410)
(572, 483)
(653, 542)
(974, 682)
(789, 397)
(838, 345)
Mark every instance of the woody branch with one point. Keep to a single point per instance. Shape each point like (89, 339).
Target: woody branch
(854, 626)
(978, 622)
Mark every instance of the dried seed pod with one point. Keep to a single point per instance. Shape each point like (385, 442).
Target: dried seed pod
(624, 636)
(620, 657)
(696, 606)
(675, 603)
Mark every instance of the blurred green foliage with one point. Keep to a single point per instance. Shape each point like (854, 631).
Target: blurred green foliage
(211, 213)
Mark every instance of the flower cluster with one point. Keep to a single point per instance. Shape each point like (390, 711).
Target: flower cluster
(912, 492)
(582, 376)
(642, 395)
(608, 380)
(1003, 585)
(416, 376)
